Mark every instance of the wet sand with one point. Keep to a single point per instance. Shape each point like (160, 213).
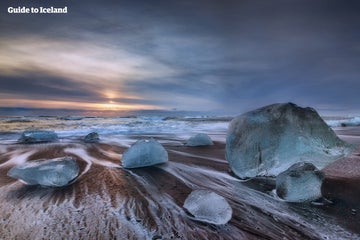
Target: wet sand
(342, 180)
(109, 202)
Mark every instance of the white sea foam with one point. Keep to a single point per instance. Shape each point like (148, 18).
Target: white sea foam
(111, 154)
(111, 126)
(349, 121)
(18, 157)
(82, 153)
(3, 149)
(198, 156)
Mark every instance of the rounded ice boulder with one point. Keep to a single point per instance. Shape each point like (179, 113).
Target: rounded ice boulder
(55, 172)
(200, 139)
(268, 140)
(207, 206)
(92, 137)
(38, 136)
(299, 183)
(144, 153)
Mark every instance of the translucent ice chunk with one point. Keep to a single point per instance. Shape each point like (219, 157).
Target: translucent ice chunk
(267, 141)
(92, 137)
(300, 183)
(207, 206)
(200, 139)
(144, 153)
(55, 172)
(38, 136)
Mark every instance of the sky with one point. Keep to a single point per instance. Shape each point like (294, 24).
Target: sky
(226, 56)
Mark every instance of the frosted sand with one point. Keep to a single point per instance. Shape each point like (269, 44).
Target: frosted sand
(107, 201)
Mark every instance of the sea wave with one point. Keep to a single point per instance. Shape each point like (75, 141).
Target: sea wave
(72, 127)
(344, 122)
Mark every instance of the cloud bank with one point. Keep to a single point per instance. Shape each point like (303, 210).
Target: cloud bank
(224, 56)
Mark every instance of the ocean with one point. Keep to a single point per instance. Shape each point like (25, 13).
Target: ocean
(111, 125)
(73, 124)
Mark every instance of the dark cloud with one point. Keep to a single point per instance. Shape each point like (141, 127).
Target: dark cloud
(235, 53)
(47, 88)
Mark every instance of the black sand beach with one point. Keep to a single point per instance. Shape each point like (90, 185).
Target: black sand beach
(109, 202)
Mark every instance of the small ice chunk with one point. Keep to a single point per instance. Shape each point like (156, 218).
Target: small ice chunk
(207, 206)
(300, 183)
(200, 139)
(38, 136)
(71, 118)
(55, 172)
(92, 137)
(144, 153)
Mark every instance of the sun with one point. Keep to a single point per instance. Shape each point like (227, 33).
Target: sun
(111, 105)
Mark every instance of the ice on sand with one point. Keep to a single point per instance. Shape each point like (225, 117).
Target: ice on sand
(300, 183)
(55, 172)
(144, 153)
(267, 141)
(38, 136)
(207, 206)
(92, 137)
(200, 139)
